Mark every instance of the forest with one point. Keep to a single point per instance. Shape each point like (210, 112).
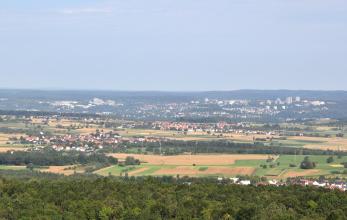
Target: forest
(83, 197)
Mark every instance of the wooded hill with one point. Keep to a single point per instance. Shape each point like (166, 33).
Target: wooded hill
(162, 198)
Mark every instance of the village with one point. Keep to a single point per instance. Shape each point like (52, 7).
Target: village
(42, 131)
(83, 143)
(332, 184)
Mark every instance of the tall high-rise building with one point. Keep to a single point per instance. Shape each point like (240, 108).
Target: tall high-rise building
(289, 100)
(297, 99)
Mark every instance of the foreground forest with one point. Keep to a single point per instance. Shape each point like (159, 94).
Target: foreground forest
(161, 198)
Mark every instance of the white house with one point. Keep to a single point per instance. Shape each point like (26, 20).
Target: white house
(245, 182)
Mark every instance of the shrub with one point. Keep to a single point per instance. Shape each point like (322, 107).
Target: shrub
(340, 135)
(307, 163)
(203, 168)
(264, 166)
(330, 159)
(131, 161)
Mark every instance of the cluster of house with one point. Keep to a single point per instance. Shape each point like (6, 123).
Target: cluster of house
(85, 143)
(335, 184)
(229, 128)
(235, 180)
(331, 184)
(192, 127)
(221, 127)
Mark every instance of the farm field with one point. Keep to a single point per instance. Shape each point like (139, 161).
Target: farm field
(4, 138)
(202, 164)
(171, 170)
(200, 159)
(323, 143)
(5, 148)
(66, 170)
(227, 166)
(5, 167)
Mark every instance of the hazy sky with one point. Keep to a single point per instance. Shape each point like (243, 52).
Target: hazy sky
(173, 44)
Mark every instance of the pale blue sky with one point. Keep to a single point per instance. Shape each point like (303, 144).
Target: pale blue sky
(173, 44)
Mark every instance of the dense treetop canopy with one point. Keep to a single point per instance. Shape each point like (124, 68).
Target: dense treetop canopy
(162, 198)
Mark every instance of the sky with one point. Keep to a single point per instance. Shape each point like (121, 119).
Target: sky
(173, 45)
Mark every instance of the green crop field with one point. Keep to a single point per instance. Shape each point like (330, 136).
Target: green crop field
(118, 170)
(282, 166)
(5, 167)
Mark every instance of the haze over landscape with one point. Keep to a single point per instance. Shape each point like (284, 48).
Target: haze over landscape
(173, 45)
(173, 109)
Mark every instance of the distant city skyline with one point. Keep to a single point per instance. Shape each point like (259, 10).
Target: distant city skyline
(173, 45)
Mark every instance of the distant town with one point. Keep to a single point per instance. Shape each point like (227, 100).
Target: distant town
(274, 135)
(197, 107)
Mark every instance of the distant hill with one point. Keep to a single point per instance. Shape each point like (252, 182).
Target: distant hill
(235, 94)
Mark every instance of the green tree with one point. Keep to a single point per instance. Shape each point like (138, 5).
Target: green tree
(330, 159)
(131, 161)
(307, 163)
(337, 215)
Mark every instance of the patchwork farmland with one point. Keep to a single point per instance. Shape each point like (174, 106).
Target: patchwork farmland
(277, 167)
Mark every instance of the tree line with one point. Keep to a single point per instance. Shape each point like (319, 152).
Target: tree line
(53, 158)
(174, 147)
